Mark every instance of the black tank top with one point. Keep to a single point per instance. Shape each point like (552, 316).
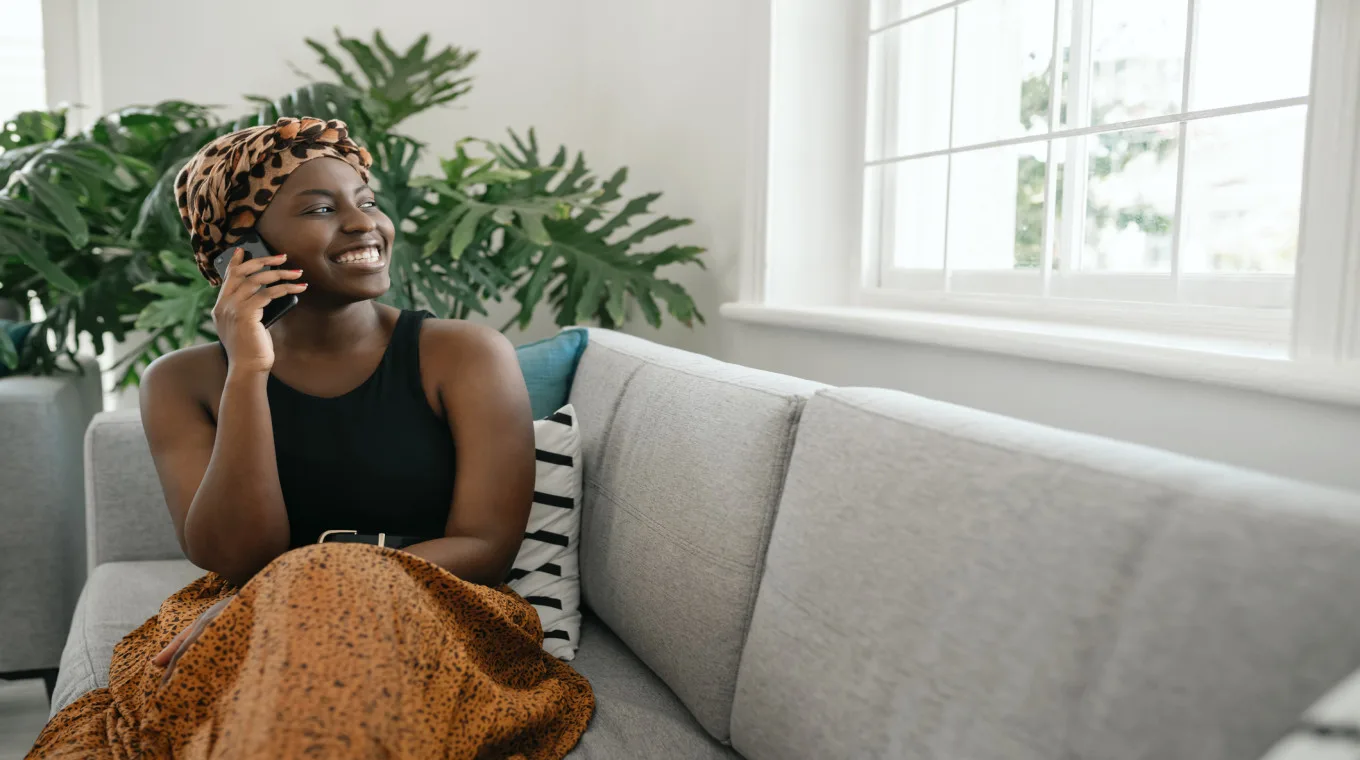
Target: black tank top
(375, 460)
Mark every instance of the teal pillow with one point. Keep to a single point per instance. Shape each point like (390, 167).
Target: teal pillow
(18, 333)
(549, 366)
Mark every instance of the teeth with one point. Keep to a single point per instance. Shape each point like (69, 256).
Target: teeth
(359, 255)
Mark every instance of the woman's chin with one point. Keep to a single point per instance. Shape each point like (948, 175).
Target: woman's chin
(351, 289)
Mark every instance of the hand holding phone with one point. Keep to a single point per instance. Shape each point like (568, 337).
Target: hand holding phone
(249, 287)
(254, 247)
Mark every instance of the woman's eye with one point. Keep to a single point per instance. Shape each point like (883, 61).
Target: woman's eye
(368, 204)
(320, 209)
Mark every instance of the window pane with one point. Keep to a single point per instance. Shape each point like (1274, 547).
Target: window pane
(22, 86)
(887, 11)
(917, 60)
(915, 195)
(996, 212)
(1243, 182)
(1130, 200)
(1004, 72)
(1248, 52)
(1137, 51)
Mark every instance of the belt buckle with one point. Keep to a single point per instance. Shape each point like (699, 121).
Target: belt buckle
(382, 537)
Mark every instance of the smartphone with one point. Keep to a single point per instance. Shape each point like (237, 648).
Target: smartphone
(255, 247)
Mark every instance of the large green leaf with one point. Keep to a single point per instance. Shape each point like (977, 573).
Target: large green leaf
(21, 213)
(398, 85)
(13, 160)
(32, 128)
(159, 211)
(587, 268)
(9, 353)
(63, 204)
(31, 253)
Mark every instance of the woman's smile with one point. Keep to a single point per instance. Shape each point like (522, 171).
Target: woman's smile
(366, 257)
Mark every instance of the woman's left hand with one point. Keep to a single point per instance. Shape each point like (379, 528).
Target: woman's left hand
(170, 655)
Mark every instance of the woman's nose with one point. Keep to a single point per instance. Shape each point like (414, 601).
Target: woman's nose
(356, 220)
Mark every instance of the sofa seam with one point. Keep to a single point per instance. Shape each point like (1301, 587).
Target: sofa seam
(587, 476)
(1104, 649)
(91, 500)
(797, 406)
(85, 644)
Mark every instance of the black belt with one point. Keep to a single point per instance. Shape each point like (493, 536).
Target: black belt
(381, 539)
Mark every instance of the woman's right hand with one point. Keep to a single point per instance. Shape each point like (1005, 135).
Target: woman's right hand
(239, 313)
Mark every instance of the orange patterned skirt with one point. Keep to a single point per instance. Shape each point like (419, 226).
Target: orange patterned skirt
(334, 651)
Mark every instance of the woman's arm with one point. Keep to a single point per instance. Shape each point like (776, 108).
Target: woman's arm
(487, 406)
(221, 483)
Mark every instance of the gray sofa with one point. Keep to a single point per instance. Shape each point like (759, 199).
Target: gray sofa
(42, 516)
(777, 569)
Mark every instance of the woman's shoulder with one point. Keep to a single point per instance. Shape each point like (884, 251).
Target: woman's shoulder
(467, 339)
(190, 371)
(454, 347)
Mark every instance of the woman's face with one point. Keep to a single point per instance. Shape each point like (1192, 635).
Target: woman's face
(326, 220)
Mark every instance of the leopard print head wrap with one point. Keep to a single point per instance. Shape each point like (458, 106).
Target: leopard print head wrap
(228, 184)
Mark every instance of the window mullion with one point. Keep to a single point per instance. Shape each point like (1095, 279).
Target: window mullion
(1182, 139)
(949, 167)
(887, 178)
(1078, 116)
(1050, 169)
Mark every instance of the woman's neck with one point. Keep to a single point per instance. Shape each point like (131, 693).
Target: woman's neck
(315, 329)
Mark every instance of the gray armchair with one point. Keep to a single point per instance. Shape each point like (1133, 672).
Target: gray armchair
(42, 515)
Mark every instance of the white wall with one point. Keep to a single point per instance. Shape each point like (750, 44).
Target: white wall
(669, 89)
(666, 92)
(151, 50)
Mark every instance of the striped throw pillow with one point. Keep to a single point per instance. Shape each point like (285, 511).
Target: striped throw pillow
(1329, 730)
(546, 572)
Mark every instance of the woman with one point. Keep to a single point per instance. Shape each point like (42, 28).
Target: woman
(350, 415)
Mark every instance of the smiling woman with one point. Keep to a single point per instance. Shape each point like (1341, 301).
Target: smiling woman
(345, 416)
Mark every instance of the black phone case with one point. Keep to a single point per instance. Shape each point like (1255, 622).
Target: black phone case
(255, 247)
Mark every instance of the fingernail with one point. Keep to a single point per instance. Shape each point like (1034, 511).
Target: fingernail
(295, 270)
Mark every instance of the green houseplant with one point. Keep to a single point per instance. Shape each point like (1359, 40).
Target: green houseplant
(88, 223)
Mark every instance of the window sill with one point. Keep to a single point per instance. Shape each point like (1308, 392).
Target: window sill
(1255, 366)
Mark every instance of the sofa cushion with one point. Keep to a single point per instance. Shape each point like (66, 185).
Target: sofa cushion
(681, 486)
(945, 583)
(117, 598)
(635, 714)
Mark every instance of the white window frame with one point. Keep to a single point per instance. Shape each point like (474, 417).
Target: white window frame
(71, 59)
(1326, 326)
(1323, 324)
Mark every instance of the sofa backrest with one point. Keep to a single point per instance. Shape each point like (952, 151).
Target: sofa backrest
(684, 462)
(125, 513)
(946, 583)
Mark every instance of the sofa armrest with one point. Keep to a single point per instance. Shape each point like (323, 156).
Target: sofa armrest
(42, 541)
(125, 513)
